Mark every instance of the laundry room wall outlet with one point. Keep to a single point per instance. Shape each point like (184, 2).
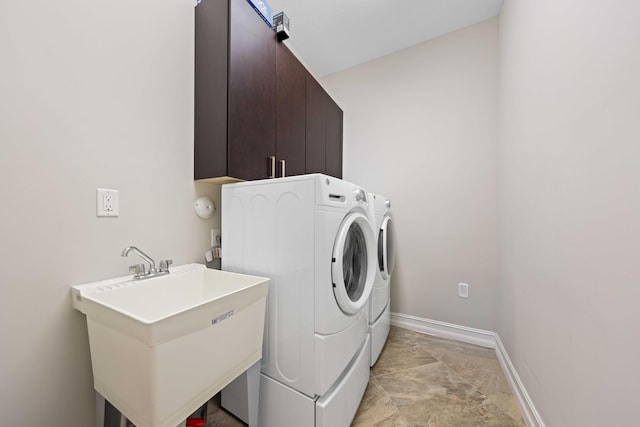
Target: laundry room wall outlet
(463, 290)
(107, 202)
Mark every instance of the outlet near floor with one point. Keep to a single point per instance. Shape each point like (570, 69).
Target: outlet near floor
(463, 290)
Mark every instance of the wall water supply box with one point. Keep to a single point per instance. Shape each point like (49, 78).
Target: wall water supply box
(281, 25)
(264, 10)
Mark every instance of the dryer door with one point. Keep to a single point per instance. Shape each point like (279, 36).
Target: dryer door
(386, 250)
(353, 263)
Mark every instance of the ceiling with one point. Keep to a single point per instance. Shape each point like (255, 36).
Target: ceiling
(333, 35)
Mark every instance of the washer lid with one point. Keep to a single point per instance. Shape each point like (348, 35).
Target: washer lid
(386, 249)
(353, 263)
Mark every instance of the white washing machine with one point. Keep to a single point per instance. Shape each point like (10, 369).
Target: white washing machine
(380, 301)
(311, 235)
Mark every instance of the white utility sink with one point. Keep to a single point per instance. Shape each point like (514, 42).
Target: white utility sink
(162, 347)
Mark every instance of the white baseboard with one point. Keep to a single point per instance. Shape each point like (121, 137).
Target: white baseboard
(445, 330)
(528, 409)
(482, 338)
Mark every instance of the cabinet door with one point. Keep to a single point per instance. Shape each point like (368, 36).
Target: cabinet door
(290, 112)
(251, 124)
(210, 127)
(324, 131)
(333, 140)
(316, 127)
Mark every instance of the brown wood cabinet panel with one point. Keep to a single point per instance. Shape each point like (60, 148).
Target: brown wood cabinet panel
(324, 131)
(333, 140)
(235, 66)
(316, 118)
(210, 115)
(252, 114)
(290, 111)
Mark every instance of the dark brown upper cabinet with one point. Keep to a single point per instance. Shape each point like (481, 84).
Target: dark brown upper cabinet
(324, 131)
(235, 92)
(258, 112)
(290, 113)
(333, 140)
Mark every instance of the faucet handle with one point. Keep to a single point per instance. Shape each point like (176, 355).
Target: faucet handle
(164, 264)
(137, 269)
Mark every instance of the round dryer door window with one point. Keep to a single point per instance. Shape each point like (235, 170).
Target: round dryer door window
(386, 251)
(353, 263)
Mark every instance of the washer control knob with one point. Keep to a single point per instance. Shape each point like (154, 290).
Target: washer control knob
(360, 196)
(387, 203)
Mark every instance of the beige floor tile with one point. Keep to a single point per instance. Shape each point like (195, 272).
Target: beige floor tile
(485, 415)
(425, 390)
(509, 405)
(376, 408)
(402, 351)
(480, 367)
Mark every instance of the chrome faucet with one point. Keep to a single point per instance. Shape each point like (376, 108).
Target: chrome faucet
(139, 269)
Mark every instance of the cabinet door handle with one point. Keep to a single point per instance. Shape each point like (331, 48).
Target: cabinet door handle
(273, 166)
(282, 165)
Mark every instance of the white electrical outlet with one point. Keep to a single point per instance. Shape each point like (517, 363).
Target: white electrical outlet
(107, 202)
(463, 290)
(215, 236)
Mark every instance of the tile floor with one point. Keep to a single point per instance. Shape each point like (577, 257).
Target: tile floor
(420, 380)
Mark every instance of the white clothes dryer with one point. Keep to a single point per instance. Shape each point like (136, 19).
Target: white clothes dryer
(380, 301)
(311, 235)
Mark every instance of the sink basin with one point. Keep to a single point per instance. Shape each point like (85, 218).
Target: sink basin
(161, 347)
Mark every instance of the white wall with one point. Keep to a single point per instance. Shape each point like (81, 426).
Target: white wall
(92, 95)
(420, 128)
(569, 206)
